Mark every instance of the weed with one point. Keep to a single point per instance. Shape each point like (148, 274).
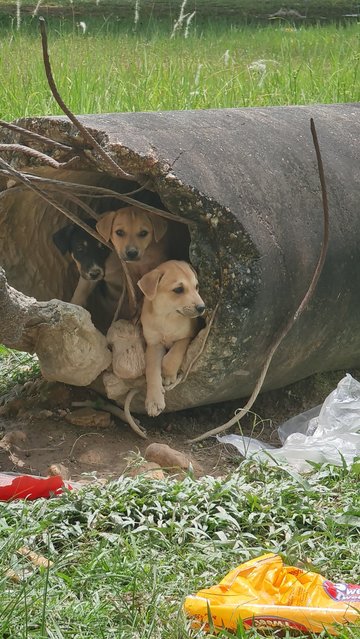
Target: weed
(16, 368)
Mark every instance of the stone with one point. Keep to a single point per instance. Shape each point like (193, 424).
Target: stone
(89, 417)
(58, 469)
(149, 470)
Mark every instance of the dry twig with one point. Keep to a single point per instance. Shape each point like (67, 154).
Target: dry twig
(309, 293)
(84, 132)
(63, 187)
(99, 191)
(37, 560)
(41, 139)
(80, 437)
(21, 177)
(26, 150)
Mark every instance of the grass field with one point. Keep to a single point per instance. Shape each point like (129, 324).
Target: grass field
(110, 68)
(126, 555)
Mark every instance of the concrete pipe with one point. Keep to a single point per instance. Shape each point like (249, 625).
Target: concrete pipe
(246, 181)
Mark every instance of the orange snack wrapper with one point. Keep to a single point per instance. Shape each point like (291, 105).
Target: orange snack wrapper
(266, 594)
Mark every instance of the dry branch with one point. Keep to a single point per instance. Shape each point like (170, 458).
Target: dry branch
(41, 139)
(84, 132)
(98, 191)
(26, 150)
(76, 200)
(21, 177)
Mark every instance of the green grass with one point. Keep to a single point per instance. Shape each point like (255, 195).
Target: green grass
(127, 554)
(109, 68)
(16, 368)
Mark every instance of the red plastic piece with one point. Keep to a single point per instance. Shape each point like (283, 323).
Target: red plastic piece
(29, 487)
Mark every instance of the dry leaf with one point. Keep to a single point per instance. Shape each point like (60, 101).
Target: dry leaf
(13, 576)
(36, 560)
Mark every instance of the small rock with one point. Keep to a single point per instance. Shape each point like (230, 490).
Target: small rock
(58, 469)
(13, 438)
(89, 417)
(84, 482)
(24, 413)
(166, 457)
(149, 469)
(13, 576)
(45, 413)
(11, 408)
(91, 456)
(171, 459)
(29, 387)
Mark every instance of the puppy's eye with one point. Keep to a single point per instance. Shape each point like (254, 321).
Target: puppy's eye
(120, 233)
(178, 290)
(143, 233)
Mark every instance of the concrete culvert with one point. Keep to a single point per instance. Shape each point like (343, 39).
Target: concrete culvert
(242, 187)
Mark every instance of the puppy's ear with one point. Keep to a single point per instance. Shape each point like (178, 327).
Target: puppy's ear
(193, 270)
(160, 226)
(104, 225)
(62, 237)
(149, 283)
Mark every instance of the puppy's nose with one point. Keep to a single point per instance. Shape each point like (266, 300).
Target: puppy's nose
(95, 273)
(200, 308)
(131, 253)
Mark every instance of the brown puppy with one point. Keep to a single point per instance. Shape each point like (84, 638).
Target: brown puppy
(171, 307)
(139, 239)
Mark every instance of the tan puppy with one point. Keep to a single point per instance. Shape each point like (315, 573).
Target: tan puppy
(171, 307)
(139, 239)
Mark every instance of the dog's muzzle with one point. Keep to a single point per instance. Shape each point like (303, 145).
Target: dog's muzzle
(94, 274)
(131, 254)
(192, 312)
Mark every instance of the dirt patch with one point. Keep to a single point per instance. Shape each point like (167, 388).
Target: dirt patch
(40, 410)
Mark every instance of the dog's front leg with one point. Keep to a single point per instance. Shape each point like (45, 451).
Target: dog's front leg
(82, 291)
(155, 402)
(173, 359)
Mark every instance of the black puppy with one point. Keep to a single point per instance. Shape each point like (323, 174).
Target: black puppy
(89, 255)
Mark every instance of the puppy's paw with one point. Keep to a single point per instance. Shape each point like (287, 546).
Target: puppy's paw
(154, 404)
(171, 381)
(169, 371)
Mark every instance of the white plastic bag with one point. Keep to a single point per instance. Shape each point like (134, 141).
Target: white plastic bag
(300, 424)
(332, 437)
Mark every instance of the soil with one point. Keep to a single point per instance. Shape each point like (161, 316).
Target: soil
(40, 410)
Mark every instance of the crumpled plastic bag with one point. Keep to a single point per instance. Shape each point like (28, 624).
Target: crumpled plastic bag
(267, 594)
(331, 437)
